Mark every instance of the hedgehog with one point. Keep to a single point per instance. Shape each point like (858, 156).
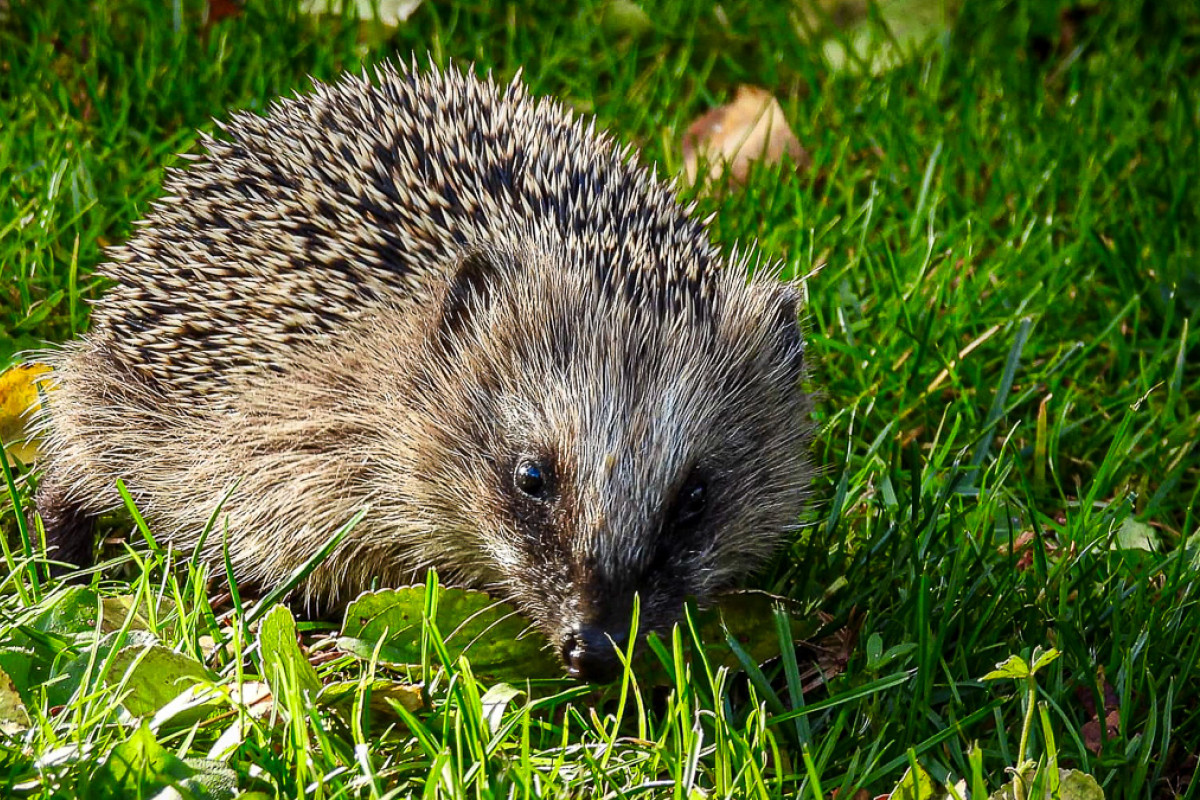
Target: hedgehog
(467, 311)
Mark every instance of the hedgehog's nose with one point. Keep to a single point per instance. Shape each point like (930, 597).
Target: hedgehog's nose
(590, 655)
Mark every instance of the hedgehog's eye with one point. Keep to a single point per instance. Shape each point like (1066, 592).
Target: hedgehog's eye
(530, 477)
(690, 504)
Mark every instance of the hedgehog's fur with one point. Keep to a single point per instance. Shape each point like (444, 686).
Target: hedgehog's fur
(392, 293)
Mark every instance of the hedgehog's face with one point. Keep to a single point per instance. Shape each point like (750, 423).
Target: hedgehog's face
(625, 449)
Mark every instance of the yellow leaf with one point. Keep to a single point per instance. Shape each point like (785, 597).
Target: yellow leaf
(14, 719)
(18, 401)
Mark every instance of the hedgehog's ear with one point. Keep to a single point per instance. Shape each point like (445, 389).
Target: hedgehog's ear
(469, 292)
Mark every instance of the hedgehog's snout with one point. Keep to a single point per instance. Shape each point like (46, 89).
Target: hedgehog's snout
(590, 653)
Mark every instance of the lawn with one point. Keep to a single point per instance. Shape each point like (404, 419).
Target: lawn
(999, 225)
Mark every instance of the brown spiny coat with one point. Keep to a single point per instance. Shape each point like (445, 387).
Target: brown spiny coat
(460, 307)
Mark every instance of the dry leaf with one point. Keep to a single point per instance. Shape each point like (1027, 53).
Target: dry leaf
(835, 650)
(751, 128)
(13, 717)
(383, 693)
(1112, 715)
(861, 794)
(832, 653)
(223, 9)
(18, 401)
(1023, 549)
(254, 696)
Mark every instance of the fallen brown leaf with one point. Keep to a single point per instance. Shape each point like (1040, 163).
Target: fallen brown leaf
(734, 136)
(1112, 715)
(223, 9)
(861, 794)
(832, 652)
(1021, 547)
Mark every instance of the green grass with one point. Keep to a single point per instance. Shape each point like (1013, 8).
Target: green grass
(1005, 321)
